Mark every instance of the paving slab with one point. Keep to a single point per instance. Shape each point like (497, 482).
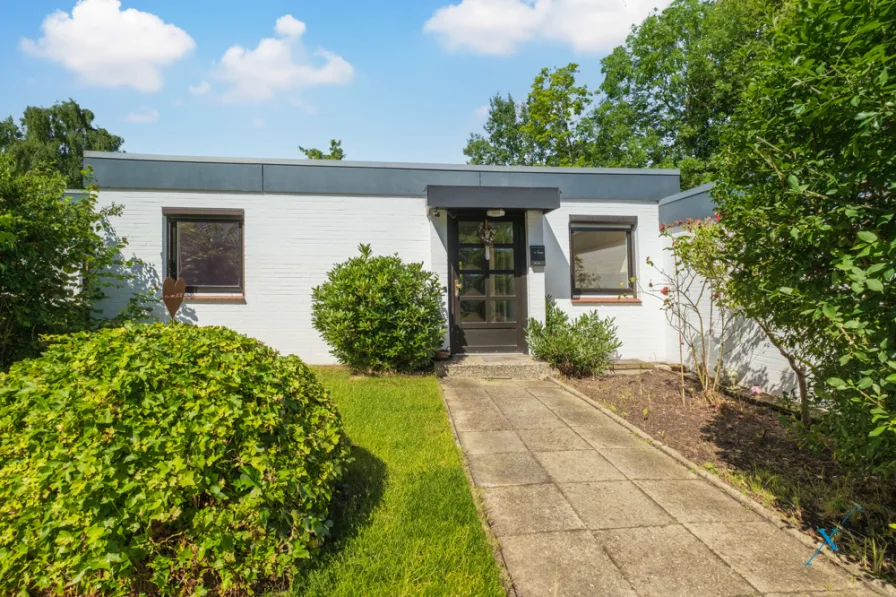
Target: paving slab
(473, 420)
(536, 383)
(577, 466)
(552, 440)
(697, 501)
(530, 417)
(613, 505)
(526, 509)
(604, 437)
(584, 416)
(513, 468)
(509, 392)
(473, 406)
(568, 564)
(646, 462)
(454, 394)
(769, 558)
(516, 401)
(490, 442)
(668, 561)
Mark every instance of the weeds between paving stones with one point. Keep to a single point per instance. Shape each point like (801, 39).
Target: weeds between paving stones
(763, 454)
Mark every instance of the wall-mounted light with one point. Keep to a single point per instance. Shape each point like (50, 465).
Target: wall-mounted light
(495, 213)
(434, 212)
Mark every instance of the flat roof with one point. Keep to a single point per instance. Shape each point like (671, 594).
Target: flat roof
(113, 170)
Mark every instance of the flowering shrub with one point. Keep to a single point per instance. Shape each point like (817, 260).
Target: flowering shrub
(162, 459)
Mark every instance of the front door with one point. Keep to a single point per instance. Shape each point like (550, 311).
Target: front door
(488, 282)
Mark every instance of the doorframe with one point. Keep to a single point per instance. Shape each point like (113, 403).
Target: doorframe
(520, 245)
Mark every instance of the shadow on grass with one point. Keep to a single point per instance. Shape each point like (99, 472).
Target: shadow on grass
(359, 492)
(775, 464)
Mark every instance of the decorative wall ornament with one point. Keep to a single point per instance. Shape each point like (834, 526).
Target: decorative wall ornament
(173, 294)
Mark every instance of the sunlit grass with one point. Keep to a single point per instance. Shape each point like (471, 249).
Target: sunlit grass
(407, 523)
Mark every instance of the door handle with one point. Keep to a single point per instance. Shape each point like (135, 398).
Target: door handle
(456, 288)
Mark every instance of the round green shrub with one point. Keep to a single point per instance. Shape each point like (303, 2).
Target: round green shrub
(162, 459)
(379, 313)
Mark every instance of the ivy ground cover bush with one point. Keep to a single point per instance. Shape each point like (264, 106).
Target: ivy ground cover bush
(576, 348)
(378, 313)
(162, 459)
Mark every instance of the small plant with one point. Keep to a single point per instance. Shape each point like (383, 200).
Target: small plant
(162, 460)
(379, 313)
(582, 347)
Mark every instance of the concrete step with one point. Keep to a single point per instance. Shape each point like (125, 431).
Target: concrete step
(493, 366)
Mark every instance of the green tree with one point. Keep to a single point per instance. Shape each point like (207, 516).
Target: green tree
(550, 128)
(58, 258)
(808, 171)
(57, 137)
(336, 152)
(670, 89)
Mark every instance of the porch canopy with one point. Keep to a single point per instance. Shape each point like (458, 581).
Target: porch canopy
(478, 197)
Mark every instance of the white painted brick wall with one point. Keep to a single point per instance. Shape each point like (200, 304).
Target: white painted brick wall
(641, 327)
(291, 242)
(748, 351)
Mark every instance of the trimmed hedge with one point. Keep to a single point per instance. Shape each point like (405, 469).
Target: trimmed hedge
(378, 313)
(165, 459)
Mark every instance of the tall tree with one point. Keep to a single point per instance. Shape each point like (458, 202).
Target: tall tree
(670, 89)
(336, 152)
(56, 137)
(550, 128)
(808, 172)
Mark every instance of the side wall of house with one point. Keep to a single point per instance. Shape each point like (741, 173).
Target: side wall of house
(746, 350)
(291, 242)
(641, 326)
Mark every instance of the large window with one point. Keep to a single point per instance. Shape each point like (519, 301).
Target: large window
(205, 248)
(602, 256)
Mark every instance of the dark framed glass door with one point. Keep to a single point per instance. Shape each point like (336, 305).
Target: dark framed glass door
(488, 282)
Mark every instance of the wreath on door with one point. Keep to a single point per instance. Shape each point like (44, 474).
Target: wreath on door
(487, 236)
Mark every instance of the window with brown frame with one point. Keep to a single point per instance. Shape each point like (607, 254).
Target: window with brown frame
(205, 248)
(602, 256)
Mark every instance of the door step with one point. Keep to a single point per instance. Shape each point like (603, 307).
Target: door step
(493, 366)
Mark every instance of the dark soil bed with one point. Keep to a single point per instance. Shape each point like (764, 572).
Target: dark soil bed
(762, 453)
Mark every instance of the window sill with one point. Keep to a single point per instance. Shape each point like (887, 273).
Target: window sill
(605, 300)
(237, 299)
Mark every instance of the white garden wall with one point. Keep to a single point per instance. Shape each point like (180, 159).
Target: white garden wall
(747, 352)
(291, 241)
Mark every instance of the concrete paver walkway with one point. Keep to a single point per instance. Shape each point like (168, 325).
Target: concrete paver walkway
(581, 506)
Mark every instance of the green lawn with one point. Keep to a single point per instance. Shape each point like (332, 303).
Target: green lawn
(406, 523)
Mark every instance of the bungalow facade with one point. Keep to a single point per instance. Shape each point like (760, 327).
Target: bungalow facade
(253, 237)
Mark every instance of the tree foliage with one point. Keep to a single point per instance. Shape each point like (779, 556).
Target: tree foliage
(549, 129)
(808, 172)
(58, 259)
(336, 152)
(162, 460)
(666, 95)
(56, 137)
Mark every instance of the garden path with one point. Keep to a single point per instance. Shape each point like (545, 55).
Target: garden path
(581, 506)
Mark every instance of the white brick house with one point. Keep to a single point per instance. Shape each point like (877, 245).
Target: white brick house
(285, 223)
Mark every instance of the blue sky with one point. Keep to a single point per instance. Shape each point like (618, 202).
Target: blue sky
(396, 81)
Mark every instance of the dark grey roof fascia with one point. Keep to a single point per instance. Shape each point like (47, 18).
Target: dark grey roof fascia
(114, 155)
(454, 197)
(696, 203)
(330, 177)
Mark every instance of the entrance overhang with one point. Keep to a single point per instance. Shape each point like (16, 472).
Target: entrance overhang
(473, 197)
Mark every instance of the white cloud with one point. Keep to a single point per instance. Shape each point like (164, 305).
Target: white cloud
(481, 111)
(144, 115)
(200, 89)
(289, 26)
(502, 26)
(280, 64)
(110, 47)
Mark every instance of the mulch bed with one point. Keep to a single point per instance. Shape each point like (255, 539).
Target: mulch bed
(755, 449)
